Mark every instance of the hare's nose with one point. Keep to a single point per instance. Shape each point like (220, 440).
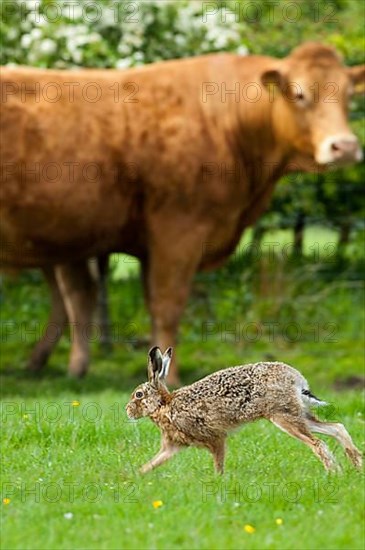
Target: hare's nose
(130, 409)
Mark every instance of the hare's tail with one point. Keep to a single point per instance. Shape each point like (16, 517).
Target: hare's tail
(311, 399)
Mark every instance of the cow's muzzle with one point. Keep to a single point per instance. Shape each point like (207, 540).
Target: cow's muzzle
(340, 149)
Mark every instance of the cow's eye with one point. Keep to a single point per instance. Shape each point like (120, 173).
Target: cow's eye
(139, 394)
(296, 95)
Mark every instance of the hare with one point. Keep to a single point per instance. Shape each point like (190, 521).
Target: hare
(203, 413)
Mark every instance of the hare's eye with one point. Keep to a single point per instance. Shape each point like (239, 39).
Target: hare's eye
(139, 394)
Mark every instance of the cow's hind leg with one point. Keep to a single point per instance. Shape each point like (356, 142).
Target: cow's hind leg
(339, 432)
(54, 328)
(297, 426)
(79, 292)
(99, 268)
(103, 304)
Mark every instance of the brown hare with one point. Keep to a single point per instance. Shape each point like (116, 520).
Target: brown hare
(203, 413)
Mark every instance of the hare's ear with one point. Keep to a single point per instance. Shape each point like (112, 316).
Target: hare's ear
(154, 365)
(166, 360)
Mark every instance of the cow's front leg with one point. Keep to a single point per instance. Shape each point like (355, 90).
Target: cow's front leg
(167, 451)
(170, 272)
(79, 294)
(55, 325)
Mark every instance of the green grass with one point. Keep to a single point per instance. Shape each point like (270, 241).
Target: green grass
(70, 472)
(89, 469)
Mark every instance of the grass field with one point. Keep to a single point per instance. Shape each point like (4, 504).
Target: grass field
(70, 456)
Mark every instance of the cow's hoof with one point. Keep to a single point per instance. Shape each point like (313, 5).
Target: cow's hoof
(34, 370)
(37, 362)
(78, 370)
(77, 375)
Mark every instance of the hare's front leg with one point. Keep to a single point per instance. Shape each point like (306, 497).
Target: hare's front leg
(167, 451)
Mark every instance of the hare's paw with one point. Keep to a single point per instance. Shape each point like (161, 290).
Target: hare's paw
(145, 468)
(355, 456)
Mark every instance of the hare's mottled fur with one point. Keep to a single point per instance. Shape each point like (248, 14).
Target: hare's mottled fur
(203, 413)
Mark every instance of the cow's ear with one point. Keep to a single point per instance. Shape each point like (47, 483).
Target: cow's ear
(154, 366)
(274, 77)
(357, 77)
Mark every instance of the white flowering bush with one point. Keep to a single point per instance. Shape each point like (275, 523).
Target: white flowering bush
(111, 33)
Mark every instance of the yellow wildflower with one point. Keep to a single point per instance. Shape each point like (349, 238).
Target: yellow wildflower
(279, 521)
(249, 529)
(157, 503)
(75, 403)
(6, 500)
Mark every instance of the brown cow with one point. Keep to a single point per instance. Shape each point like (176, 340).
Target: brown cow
(168, 162)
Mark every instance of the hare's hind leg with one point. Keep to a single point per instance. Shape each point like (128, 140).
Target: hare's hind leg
(339, 432)
(297, 426)
(217, 448)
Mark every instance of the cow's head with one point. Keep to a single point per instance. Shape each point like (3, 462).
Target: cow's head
(310, 113)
